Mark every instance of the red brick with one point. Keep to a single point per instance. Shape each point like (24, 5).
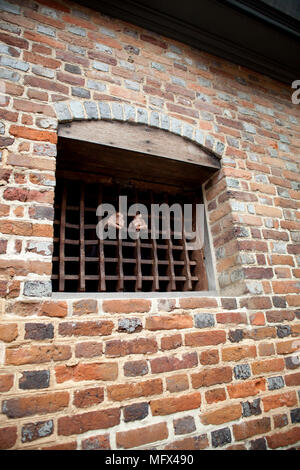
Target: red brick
(251, 428)
(266, 349)
(210, 356)
(261, 333)
(272, 365)
(177, 383)
(8, 437)
(171, 342)
(284, 438)
(237, 353)
(6, 382)
(126, 306)
(84, 307)
(207, 377)
(37, 354)
(88, 397)
(280, 420)
(215, 395)
(165, 406)
(8, 332)
(33, 134)
(205, 338)
(53, 309)
(126, 391)
(88, 349)
(92, 371)
(117, 348)
(142, 436)
(96, 443)
(200, 302)
(86, 328)
(80, 423)
(13, 41)
(35, 404)
(232, 317)
(292, 380)
(170, 322)
(222, 415)
(65, 446)
(277, 316)
(247, 388)
(166, 364)
(189, 443)
(288, 347)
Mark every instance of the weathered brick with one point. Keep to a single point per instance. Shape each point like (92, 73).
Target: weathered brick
(88, 328)
(135, 368)
(88, 397)
(246, 389)
(165, 406)
(35, 404)
(166, 364)
(6, 382)
(170, 322)
(126, 306)
(116, 348)
(221, 437)
(189, 443)
(141, 436)
(35, 379)
(184, 425)
(277, 401)
(80, 423)
(91, 371)
(125, 391)
(207, 377)
(205, 338)
(251, 428)
(135, 412)
(222, 415)
(37, 354)
(8, 437)
(32, 431)
(283, 439)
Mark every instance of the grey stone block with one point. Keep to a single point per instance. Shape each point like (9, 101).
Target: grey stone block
(142, 116)
(242, 371)
(42, 71)
(96, 85)
(37, 288)
(80, 92)
(46, 30)
(77, 109)
(13, 63)
(204, 320)
(76, 30)
(117, 111)
(91, 109)
(274, 383)
(62, 112)
(129, 112)
(221, 437)
(100, 66)
(104, 109)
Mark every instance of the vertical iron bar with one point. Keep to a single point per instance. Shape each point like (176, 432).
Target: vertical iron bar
(62, 238)
(81, 241)
(155, 283)
(102, 283)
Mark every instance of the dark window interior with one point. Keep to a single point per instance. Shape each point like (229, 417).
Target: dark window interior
(82, 262)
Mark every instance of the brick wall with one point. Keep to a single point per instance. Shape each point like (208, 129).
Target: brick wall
(193, 373)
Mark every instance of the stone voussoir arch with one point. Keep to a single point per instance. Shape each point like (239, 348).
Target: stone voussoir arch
(68, 111)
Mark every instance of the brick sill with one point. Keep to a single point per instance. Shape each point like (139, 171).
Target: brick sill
(131, 295)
